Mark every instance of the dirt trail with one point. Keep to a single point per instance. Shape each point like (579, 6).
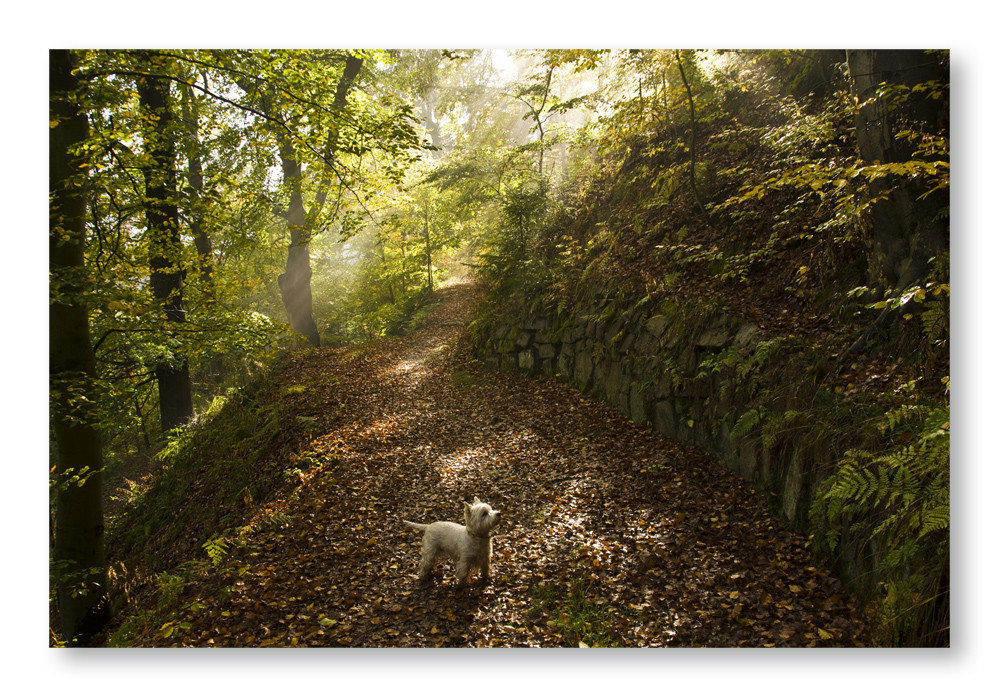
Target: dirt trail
(611, 534)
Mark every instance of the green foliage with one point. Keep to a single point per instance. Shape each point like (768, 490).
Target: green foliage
(508, 259)
(167, 615)
(747, 421)
(811, 164)
(898, 499)
(216, 549)
(76, 581)
(70, 477)
(582, 618)
(226, 450)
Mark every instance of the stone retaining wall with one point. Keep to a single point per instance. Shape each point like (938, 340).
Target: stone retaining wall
(651, 367)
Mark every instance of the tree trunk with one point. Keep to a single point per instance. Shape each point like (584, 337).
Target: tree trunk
(78, 536)
(427, 249)
(906, 231)
(691, 173)
(385, 270)
(196, 181)
(429, 119)
(196, 207)
(295, 283)
(352, 68)
(164, 238)
(538, 120)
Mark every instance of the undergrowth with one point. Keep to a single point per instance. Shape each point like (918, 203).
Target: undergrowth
(214, 475)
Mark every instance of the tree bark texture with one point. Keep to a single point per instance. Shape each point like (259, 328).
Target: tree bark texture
(78, 536)
(906, 230)
(164, 240)
(295, 282)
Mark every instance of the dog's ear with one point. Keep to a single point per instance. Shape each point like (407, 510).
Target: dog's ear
(476, 501)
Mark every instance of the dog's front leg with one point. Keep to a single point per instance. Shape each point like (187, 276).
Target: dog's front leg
(484, 571)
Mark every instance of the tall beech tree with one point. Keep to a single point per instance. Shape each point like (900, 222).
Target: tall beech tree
(174, 187)
(283, 121)
(164, 234)
(78, 536)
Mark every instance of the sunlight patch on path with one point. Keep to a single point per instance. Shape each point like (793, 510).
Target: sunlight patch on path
(389, 425)
(452, 467)
(403, 367)
(455, 281)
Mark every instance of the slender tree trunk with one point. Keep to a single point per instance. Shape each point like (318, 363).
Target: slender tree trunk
(78, 536)
(196, 205)
(352, 68)
(906, 230)
(694, 186)
(538, 120)
(164, 239)
(196, 181)
(427, 248)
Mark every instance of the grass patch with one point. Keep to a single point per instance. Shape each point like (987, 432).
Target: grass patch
(582, 617)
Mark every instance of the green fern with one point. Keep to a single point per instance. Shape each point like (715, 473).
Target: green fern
(217, 549)
(900, 501)
(747, 421)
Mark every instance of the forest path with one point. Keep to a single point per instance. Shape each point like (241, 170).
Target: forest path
(611, 535)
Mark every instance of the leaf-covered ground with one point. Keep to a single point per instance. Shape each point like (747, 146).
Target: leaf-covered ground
(611, 535)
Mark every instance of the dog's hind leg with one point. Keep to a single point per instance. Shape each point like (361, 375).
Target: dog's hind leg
(427, 561)
(462, 571)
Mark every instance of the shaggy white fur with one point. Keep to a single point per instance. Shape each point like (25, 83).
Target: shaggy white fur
(468, 546)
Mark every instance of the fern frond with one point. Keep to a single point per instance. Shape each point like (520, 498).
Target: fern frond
(747, 421)
(216, 548)
(936, 519)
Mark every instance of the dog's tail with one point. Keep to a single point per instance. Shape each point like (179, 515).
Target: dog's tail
(419, 527)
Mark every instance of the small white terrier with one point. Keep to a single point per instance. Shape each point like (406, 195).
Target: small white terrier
(469, 546)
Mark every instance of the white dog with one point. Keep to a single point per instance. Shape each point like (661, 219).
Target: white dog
(469, 546)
